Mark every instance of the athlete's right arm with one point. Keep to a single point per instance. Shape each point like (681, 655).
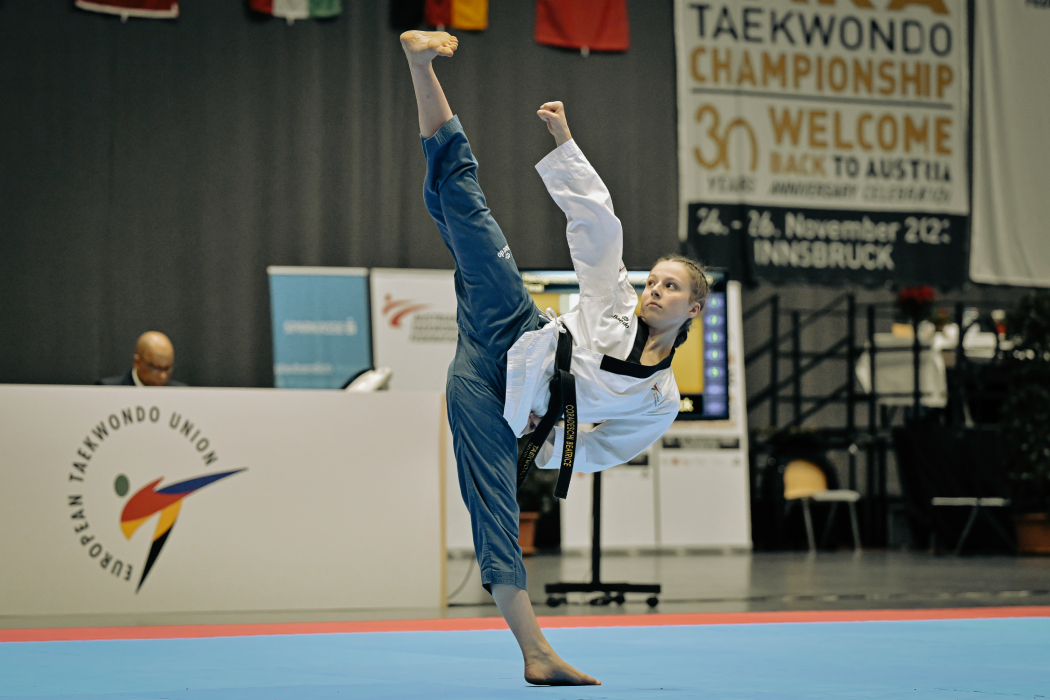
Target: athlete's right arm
(553, 113)
(612, 442)
(595, 234)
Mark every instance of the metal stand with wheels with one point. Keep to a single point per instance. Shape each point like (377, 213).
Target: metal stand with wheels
(611, 592)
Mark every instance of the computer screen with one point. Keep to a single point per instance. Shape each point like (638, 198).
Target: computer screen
(701, 363)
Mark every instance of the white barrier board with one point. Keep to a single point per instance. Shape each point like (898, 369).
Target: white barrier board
(238, 499)
(414, 333)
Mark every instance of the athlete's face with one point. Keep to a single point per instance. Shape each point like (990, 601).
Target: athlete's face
(667, 301)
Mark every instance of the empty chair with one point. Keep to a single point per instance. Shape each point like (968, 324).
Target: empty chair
(804, 481)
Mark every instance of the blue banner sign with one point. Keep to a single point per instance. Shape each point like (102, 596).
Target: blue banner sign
(322, 331)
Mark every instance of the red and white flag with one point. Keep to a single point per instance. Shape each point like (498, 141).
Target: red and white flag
(292, 10)
(154, 9)
(594, 25)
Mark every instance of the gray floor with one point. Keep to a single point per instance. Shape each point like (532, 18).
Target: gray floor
(695, 583)
(783, 581)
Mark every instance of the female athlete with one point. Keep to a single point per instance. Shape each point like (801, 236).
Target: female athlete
(613, 368)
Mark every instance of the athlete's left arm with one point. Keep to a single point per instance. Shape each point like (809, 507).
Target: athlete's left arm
(594, 233)
(612, 442)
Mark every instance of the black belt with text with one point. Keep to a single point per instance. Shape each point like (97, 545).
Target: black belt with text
(562, 402)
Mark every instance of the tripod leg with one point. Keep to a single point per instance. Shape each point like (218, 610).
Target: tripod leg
(933, 529)
(999, 529)
(966, 530)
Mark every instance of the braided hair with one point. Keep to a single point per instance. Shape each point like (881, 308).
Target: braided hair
(697, 285)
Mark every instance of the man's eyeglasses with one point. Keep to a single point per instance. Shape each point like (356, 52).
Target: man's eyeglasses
(157, 368)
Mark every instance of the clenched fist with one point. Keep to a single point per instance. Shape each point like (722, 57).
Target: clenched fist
(554, 114)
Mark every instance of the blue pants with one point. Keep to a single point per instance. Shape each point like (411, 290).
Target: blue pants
(494, 310)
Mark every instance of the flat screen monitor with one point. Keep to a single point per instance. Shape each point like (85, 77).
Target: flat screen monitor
(701, 363)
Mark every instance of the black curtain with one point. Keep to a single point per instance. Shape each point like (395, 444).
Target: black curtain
(151, 170)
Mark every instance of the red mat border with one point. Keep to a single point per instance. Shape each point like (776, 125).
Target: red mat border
(497, 623)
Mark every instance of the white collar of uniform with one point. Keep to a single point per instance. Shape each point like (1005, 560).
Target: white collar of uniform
(135, 377)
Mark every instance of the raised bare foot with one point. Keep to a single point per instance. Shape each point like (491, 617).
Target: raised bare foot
(551, 670)
(422, 47)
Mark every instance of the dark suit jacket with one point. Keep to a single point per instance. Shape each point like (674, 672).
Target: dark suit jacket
(126, 380)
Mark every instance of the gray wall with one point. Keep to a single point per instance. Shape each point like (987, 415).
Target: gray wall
(150, 171)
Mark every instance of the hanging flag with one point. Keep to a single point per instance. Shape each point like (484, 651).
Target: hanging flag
(154, 9)
(588, 25)
(457, 14)
(292, 10)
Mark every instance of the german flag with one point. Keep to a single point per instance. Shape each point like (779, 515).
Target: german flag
(457, 14)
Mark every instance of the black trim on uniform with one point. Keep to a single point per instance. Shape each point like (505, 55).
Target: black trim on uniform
(640, 336)
(632, 366)
(633, 369)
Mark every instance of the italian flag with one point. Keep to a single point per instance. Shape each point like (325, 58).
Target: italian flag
(457, 14)
(154, 9)
(292, 10)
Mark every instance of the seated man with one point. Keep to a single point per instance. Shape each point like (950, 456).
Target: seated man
(150, 365)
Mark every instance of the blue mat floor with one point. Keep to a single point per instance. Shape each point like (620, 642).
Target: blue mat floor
(928, 659)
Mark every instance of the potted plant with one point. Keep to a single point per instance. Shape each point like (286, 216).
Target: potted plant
(1025, 422)
(535, 500)
(914, 304)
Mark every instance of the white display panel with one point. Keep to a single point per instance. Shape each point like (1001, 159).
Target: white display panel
(628, 516)
(414, 327)
(704, 498)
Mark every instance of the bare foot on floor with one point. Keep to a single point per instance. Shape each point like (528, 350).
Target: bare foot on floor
(551, 670)
(422, 47)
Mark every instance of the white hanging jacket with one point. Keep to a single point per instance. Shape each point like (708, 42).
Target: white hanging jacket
(633, 404)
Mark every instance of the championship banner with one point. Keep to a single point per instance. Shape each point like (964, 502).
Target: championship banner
(321, 327)
(825, 142)
(414, 327)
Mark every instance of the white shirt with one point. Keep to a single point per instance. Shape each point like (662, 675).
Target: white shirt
(633, 404)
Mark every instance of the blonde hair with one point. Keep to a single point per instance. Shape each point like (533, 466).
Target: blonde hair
(697, 285)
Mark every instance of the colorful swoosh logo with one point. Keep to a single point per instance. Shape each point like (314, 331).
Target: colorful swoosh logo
(399, 308)
(167, 501)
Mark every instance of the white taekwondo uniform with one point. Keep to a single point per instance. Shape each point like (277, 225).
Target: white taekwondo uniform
(632, 404)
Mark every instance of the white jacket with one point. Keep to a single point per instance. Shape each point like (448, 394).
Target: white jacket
(633, 404)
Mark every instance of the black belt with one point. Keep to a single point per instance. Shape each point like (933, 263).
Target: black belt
(563, 402)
